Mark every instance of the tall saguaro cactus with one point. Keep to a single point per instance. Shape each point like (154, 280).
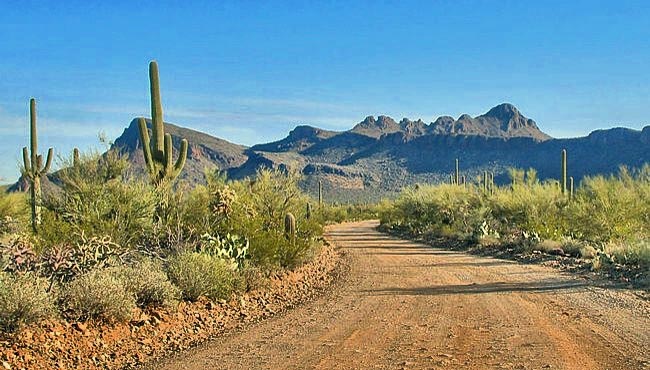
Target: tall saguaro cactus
(457, 174)
(571, 187)
(158, 155)
(34, 168)
(563, 184)
(485, 181)
(320, 193)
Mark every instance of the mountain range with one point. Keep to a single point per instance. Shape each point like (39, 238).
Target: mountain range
(379, 156)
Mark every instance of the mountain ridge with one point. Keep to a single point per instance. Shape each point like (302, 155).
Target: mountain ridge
(379, 156)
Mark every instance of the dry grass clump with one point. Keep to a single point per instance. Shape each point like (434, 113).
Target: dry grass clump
(23, 300)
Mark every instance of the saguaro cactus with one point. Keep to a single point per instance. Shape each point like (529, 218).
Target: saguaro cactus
(320, 193)
(563, 183)
(289, 226)
(34, 168)
(457, 174)
(571, 187)
(485, 181)
(158, 155)
(75, 158)
(491, 185)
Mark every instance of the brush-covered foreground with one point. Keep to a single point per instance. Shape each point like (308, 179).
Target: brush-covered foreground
(110, 244)
(606, 222)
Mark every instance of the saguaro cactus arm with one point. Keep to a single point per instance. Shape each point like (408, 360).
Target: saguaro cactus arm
(27, 162)
(48, 162)
(146, 148)
(182, 157)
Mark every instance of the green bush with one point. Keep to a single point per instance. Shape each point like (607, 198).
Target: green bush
(94, 200)
(98, 295)
(435, 209)
(23, 300)
(608, 216)
(14, 212)
(200, 274)
(615, 208)
(148, 283)
(535, 208)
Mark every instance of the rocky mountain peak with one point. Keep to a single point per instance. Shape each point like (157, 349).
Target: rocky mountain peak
(503, 112)
(375, 128)
(304, 131)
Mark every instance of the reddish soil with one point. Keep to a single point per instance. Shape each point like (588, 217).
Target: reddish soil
(404, 305)
(63, 345)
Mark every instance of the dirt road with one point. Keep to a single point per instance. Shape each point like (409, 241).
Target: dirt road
(409, 306)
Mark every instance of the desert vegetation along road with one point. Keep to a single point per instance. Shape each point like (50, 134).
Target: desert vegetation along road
(407, 305)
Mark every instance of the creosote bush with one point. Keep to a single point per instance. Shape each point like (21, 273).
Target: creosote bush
(201, 274)
(23, 300)
(606, 216)
(98, 295)
(147, 281)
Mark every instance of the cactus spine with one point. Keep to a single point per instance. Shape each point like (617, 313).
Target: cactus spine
(34, 168)
(563, 183)
(457, 174)
(290, 226)
(158, 155)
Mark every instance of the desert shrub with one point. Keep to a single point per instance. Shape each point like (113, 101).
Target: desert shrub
(23, 300)
(148, 282)
(14, 212)
(443, 208)
(614, 208)
(535, 208)
(95, 200)
(633, 252)
(607, 219)
(254, 278)
(258, 211)
(98, 295)
(200, 274)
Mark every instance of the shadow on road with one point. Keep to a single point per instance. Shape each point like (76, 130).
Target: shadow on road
(538, 286)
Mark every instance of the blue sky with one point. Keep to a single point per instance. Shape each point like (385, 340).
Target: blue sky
(249, 71)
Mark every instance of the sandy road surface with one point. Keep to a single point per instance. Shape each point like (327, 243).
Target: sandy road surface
(409, 306)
